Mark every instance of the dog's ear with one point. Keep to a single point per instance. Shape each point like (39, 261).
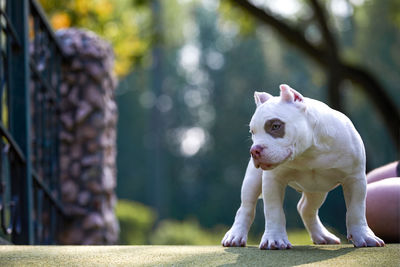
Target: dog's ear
(290, 95)
(261, 97)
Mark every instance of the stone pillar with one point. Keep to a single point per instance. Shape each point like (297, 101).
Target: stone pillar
(88, 139)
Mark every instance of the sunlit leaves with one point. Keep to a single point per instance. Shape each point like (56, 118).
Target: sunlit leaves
(124, 23)
(60, 20)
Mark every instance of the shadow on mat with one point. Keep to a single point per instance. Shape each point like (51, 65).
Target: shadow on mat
(298, 255)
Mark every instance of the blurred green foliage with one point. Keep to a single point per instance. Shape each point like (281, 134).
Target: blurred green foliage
(188, 232)
(299, 237)
(211, 57)
(211, 63)
(136, 222)
(126, 24)
(137, 227)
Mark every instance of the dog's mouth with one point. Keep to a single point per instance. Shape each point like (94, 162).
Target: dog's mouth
(269, 166)
(265, 166)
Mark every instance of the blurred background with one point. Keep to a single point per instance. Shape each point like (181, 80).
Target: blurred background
(187, 71)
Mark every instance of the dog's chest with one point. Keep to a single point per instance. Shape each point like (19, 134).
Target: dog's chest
(313, 180)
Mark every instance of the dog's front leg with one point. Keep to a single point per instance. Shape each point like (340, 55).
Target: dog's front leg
(354, 190)
(251, 190)
(275, 236)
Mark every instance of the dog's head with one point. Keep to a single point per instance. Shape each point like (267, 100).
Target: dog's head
(279, 128)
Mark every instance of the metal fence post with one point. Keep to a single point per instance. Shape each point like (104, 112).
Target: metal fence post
(20, 124)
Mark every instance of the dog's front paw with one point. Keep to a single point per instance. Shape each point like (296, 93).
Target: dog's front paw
(365, 238)
(275, 241)
(235, 237)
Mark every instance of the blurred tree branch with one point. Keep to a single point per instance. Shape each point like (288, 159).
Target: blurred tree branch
(327, 56)
(334, 72)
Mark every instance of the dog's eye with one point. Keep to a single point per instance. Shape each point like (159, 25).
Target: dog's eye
(252, 132)
(275, 126)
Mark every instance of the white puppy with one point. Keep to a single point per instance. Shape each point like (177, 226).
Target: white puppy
(301, 142)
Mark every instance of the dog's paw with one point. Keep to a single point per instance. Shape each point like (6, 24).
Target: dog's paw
(324, 238)
(235, 238)
(365, 238)
(275, 242)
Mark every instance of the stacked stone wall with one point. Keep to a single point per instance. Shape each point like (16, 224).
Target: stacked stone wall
(88, 139)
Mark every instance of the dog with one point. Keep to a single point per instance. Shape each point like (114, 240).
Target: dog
(303, 143)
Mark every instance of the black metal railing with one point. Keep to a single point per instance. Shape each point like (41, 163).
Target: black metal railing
(30, 73)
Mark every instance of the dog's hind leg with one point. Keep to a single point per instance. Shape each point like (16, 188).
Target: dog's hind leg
(354, 190)
(308, 209)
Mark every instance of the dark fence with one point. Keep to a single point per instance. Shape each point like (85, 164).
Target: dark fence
(30, 73)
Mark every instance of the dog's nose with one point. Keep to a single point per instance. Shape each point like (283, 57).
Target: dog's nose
(256, 150)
